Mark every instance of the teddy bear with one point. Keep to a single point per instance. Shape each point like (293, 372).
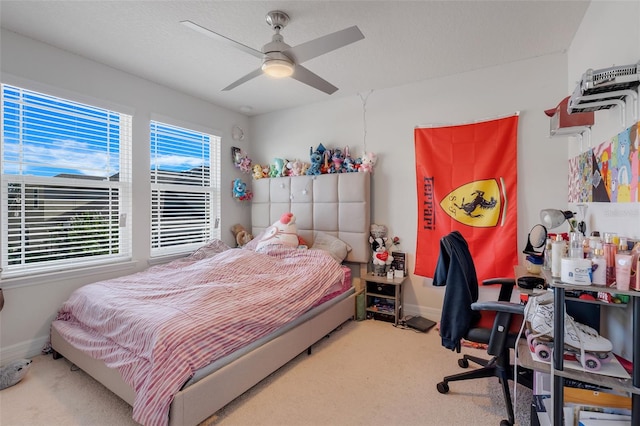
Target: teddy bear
(13, 372)
(240, 191)
(257, 171)
(369, 160)
(283, 232)
(241, 235)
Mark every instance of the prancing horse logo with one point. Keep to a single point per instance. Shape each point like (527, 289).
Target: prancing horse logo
(478, 201)
(487, 203)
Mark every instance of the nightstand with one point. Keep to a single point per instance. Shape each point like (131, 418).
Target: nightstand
(383, 297)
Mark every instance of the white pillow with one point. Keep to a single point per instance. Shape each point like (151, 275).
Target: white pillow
(337, 248)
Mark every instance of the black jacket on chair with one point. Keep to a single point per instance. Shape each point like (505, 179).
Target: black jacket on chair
(455, 268)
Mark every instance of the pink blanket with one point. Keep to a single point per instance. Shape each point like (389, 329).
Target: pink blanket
(159, 326)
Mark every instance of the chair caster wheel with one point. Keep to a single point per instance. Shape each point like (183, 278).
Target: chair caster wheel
(462, 362)
(505, 423)
(442, 387)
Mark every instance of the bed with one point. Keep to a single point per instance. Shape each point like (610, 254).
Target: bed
(335, 205)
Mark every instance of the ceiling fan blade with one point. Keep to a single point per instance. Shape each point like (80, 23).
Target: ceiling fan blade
(252, 74)
(321, 45)
(209, 33)
(305, 76)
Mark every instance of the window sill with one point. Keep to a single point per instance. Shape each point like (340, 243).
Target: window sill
(45, 277)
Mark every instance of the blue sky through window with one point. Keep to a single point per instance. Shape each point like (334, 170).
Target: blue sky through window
(48, 136)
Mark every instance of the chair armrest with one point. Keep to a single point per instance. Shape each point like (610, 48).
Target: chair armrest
(504, 313)
(506, 307)
(501, 281)
(506, 287)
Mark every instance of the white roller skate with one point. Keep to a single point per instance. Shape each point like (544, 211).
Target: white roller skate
(580, 340)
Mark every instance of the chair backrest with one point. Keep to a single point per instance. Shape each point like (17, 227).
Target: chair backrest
(456, 271)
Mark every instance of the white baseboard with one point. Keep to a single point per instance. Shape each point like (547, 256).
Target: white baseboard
(430, 313)
(26, 349)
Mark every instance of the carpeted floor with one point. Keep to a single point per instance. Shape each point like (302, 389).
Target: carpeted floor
(365, 373)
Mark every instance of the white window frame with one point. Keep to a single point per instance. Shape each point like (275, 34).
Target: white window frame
(15, 171)
(192, 216)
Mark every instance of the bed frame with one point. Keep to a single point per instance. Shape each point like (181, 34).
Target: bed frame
(337, 204)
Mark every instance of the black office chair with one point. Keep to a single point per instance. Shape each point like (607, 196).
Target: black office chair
(490, 323)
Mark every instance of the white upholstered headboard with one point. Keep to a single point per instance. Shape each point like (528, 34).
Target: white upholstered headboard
(337, 204)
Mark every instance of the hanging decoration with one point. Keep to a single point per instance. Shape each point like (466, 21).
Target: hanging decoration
(467, 180)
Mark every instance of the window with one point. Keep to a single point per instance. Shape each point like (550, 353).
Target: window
(65, 183)
(185, 189)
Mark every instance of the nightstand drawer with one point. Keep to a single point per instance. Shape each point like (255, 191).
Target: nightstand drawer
(382, 289)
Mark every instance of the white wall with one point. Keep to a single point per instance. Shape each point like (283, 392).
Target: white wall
(608, 35)
(29, 308)
(391, 115)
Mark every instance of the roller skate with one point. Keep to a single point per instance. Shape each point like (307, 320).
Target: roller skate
(580, 341)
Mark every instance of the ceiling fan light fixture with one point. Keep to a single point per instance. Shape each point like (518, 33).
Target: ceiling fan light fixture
(277, 68)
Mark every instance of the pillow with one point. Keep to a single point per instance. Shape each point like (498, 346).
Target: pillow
(337, 248)
(210, 249)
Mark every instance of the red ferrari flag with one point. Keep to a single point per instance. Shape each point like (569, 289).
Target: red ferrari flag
(466, 180)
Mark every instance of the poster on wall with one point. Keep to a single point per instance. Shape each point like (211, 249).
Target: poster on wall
(608, 173)
(467, 179)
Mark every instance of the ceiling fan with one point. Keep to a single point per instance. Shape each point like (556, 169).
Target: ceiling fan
(281, 60)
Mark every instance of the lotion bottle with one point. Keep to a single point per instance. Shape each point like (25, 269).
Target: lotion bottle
(557, 252)
(599, 266)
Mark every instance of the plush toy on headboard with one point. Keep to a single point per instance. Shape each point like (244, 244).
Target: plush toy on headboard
(13, 372)
(283, 232)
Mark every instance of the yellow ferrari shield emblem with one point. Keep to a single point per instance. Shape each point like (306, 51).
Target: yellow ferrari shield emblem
(476, 204)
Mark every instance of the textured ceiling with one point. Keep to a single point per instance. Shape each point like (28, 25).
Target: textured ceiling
(405, 41)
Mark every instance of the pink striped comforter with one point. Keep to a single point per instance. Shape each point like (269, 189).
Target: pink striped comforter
(159, 326)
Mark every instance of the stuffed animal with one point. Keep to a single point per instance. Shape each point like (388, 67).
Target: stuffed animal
(241, 235)
(13, 372)
(316, 161)
(240, 191)
(265, 170)
(283, 232)
(279, 167)
(257, 171)
(305, 167)
(381, 256)
(368, 161)
(380, 253)
(337, 159)
(295, 168)
(245, 164)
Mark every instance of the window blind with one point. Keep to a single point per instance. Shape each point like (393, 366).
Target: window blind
(66, 183)
(185, 189)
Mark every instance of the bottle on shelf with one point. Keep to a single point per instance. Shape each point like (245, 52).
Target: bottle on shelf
(610, 248)
(575, 245)
(599, 266)
(547, 255)
(557, 253)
